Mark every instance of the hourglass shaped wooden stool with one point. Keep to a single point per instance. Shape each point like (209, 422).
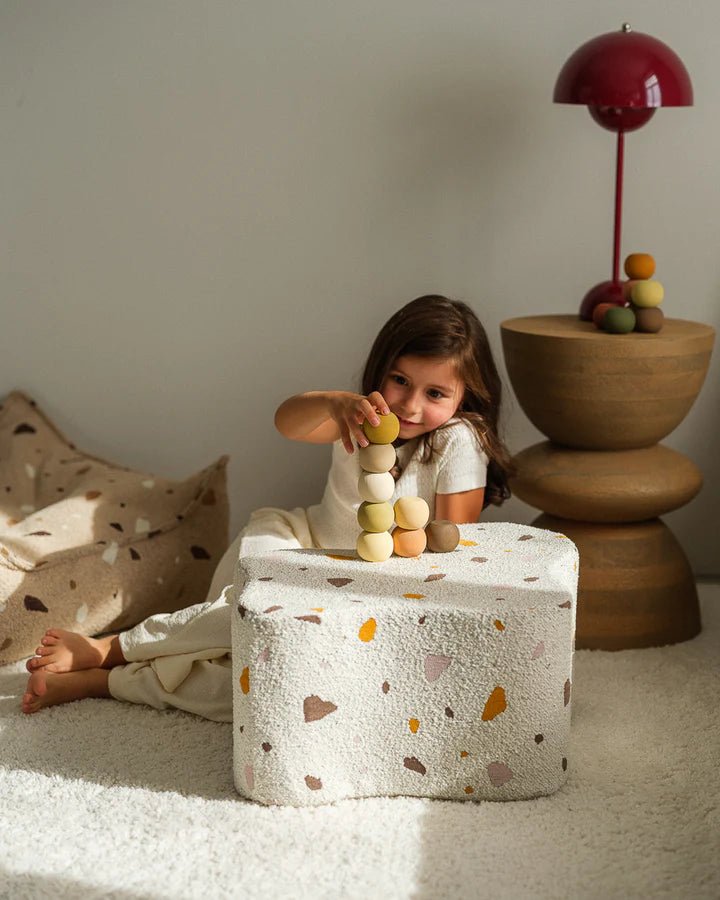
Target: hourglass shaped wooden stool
(604, 401)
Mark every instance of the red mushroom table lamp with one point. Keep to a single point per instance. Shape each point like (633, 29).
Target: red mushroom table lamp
(622, 77)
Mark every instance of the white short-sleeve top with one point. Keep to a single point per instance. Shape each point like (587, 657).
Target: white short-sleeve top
(460, 464)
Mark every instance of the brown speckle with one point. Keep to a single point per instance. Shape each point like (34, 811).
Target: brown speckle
(414, 764)
(34, 604)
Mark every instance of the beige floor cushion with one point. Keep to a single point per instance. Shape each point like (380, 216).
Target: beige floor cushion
(92, 546)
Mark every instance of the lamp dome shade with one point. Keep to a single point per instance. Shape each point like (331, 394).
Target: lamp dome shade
(625, 69)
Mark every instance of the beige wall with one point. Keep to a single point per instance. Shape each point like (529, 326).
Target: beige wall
(208, 206)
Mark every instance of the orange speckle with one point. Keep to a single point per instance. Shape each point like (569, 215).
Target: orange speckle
(469, 790)
(507, 551)
(245, 680)
(463, 754)
(499, 625)
(367, 630)
(414, 596)
(434, 567)
(468, 543)
(317, 608)
(414, 725)
(496, 704)
(337, 556)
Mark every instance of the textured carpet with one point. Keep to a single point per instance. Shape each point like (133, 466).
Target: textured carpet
(102, 799)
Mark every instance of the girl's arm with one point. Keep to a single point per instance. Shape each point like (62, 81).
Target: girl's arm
(462, 507)
(322, 417)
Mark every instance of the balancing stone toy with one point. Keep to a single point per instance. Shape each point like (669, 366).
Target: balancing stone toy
(638, 308)
(441, 676)
(376, 487)
(410, 514)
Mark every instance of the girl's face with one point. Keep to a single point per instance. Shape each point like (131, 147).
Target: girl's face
(423, 392)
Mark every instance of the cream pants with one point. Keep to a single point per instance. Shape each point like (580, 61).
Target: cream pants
(182, 660)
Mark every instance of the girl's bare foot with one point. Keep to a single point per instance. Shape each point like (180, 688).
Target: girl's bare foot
(46, 689)
(67, 651)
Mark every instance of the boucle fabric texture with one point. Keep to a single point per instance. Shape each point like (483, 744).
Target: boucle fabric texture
(92, 546)
(448, 675)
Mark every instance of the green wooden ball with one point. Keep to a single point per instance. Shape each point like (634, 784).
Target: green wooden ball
(375, 517)
(619, 320)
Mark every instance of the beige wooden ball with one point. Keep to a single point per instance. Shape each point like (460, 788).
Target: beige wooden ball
(376, 487)
(375, 546)
(377, 457)
(411, 512)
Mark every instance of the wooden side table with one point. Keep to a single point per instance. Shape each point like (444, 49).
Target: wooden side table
(605, 401)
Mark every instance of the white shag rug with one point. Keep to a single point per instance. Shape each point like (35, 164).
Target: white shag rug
(100, 799)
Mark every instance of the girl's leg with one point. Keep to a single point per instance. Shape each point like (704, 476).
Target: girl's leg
(206, 690)
(67, 651)
(49, 689)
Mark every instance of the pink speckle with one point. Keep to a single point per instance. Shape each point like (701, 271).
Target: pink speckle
(539, 650)
(499, 773)
(249, 777)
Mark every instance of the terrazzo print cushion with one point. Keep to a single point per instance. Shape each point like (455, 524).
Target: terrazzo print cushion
(444, 676)
(89, 545)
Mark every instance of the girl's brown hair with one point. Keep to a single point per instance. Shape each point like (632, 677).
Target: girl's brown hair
(435, 326)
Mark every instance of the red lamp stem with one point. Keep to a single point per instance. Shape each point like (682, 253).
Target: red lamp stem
(618, 204)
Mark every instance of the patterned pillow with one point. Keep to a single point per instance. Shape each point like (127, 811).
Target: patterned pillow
(92, 546)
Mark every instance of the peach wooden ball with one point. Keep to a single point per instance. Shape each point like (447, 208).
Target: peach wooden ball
(409, 542)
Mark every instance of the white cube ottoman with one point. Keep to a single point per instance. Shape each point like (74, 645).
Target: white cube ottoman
(446, 676)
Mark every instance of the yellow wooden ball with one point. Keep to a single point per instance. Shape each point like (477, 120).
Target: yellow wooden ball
(375, 546)
(385, 432)
(647, 294)
(411, 512)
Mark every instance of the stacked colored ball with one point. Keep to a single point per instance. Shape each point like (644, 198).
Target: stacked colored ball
(411, 513)
(376, 486)
(639, 265)
(443, 536)
(647, 294)
(409, 543)
(385, 432)
(649, 321)
(377, 457)
(620, 320)
(375, 546)
(375, 517)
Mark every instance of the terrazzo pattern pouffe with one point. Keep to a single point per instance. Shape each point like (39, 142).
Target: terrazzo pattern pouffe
(92, 546)
(447, 675)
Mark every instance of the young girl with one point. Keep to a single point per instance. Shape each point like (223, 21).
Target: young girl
(431, 365)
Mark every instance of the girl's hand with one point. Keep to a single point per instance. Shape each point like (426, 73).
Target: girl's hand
(350, 410)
